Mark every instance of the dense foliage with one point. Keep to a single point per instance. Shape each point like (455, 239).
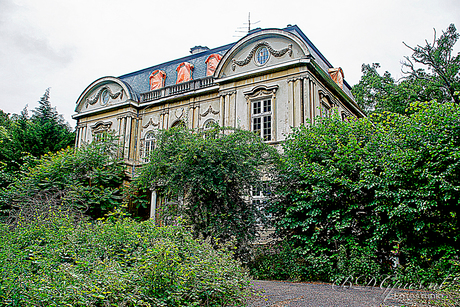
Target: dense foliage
(431, 72)
(88, 179)
(20, 135)
(56, 260)
(385, 188)
(212, 172)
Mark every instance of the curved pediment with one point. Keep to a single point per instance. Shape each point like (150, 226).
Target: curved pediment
(104, 92)
(262, 49)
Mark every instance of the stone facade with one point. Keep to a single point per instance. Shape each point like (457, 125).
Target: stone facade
(269, 81)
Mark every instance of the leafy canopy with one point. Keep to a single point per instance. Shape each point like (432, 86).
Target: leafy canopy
(389, 184)
(20, 136)
(213, 173)
(431, 72)
(88, 178)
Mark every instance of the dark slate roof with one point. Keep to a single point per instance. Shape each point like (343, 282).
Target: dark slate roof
(139, 80)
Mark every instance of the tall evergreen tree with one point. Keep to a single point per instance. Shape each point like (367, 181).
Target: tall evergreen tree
(45, 131)
(48, 131)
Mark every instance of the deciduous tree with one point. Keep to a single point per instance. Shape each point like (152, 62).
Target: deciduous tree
(213, 172)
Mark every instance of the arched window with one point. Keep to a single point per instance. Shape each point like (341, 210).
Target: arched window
(209, 124)
(149, 145)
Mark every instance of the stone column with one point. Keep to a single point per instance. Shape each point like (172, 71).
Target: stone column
(306, 101)
(222, 111)
(290, 105)
(77, 138)
(296, 105)
(128, 121)
(153, 205)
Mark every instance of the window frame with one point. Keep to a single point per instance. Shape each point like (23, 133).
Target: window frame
(260, 197)
(149, 145)
(262, 118)
(266, 118)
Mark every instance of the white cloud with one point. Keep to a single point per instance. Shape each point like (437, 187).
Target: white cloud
(66, 45)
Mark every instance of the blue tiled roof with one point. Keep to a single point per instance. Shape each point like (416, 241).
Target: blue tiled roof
(139, 80)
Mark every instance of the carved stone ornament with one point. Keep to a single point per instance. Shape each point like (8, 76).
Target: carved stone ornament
(275, 53)
(261, 91)
(179, 112)
(98, 94)
(209, 110)
(324, 97)
(100, 127)
(151, 123)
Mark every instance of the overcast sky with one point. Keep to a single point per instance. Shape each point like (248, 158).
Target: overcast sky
(67, 44)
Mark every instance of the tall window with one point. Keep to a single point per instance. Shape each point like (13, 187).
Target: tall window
(259, 199)
(149, 145)
(262, 118)
(325, 110)
(326, 105)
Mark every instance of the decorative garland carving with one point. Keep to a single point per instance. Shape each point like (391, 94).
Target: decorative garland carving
(96, 97)
(275, 53)
(100, 127)
(150, 122)
(209, 110)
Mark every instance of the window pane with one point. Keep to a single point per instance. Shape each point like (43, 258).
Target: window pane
(256, 124)
(267, 128)
(267, 106)
(256, 107)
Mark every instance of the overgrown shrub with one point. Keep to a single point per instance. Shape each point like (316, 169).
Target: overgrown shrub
(88, 179)
(57, 261)
(211, 173)
(385, 189)
(281, 261)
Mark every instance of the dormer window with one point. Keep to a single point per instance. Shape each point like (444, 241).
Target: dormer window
(211, 63)
(184, 72)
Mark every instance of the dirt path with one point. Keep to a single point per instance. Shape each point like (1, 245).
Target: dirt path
(287, 294)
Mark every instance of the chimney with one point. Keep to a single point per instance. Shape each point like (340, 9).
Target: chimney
(198, 49)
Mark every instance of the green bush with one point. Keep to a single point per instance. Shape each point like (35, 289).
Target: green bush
(60, 261)
(385, 188)
(282, 261)
(87, 179)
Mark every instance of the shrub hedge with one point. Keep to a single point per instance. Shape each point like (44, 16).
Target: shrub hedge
(59, 261)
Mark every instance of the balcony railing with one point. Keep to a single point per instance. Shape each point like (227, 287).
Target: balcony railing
(177, 89)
